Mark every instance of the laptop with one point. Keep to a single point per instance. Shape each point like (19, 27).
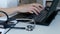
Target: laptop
(45, 16)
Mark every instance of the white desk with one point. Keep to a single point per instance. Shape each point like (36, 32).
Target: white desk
(54, 28)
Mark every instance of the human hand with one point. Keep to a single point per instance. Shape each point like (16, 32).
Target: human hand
(31, 8)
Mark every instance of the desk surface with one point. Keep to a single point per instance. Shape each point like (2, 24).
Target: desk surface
(54, 28)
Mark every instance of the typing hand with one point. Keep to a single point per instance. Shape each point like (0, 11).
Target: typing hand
(31, 8)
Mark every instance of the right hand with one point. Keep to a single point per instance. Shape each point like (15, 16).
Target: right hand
(31, 8)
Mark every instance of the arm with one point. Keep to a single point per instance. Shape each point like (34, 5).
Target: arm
(36, 8)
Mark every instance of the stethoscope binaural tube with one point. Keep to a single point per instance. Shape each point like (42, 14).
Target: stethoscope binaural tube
(4, 22)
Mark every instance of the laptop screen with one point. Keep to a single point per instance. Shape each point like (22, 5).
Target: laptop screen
(59, 4)
(53, 6)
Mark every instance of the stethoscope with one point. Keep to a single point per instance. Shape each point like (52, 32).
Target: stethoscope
(5, 23)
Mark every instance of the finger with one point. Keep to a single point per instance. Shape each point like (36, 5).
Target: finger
(29, 11)
(39, 5)
(37, 10)
(36, 7)
(34, 12)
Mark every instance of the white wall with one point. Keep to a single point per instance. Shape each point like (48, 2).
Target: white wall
(12, 3)
(8, 3)
(3, 3)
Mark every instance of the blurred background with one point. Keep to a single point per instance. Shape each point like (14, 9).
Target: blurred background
(14, 3)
